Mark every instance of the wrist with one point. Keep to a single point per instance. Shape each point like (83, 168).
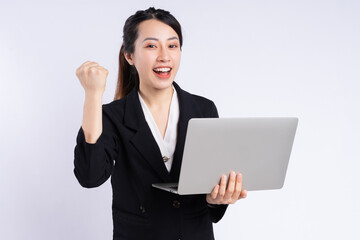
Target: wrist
(94, 94)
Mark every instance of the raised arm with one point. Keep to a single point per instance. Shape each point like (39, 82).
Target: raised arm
(96, 143)
(92, 77)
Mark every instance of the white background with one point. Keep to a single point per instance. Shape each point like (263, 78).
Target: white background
(253, 58)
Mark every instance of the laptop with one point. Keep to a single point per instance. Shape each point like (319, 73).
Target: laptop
(259, 148)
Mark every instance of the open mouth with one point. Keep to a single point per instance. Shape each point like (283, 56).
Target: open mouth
(162, 72)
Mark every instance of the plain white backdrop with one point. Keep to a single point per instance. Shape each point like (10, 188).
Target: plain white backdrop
(252, 58)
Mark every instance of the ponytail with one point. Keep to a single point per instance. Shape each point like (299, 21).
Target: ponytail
(128, 77)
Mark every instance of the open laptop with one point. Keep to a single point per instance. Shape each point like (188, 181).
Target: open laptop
(259, 148)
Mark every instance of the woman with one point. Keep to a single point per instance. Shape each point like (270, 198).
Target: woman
(138, 138)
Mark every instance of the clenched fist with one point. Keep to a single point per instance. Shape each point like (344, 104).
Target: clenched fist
(92, 77)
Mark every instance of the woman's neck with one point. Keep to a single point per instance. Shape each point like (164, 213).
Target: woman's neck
(156, 99)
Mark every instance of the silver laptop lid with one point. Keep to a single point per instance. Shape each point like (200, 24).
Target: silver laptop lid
(259, 148)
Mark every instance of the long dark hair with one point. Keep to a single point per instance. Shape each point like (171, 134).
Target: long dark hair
(128, 76)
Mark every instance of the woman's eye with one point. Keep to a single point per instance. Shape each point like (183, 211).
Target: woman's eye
(150, 46)
(173, 46)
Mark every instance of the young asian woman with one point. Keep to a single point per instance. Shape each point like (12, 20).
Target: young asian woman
(138, 138)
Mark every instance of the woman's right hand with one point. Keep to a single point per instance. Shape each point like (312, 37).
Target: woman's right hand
(92, 77)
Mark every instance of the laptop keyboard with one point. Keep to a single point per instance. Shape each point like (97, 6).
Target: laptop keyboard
(173, 187)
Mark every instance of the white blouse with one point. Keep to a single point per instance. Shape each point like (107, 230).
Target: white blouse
(168, 143)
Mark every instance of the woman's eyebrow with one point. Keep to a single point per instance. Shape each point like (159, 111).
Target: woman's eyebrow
(156, 39)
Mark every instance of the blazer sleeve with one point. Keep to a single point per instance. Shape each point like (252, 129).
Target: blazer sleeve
(217, 211)
(93, 162)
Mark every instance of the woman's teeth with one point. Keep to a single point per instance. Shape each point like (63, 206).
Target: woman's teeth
(162, 72)
(162, 69)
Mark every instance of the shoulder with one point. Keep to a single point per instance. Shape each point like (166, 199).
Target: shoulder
(114, 109)
(200, 104)
(194, 97)
(115, 104)
(200, 100)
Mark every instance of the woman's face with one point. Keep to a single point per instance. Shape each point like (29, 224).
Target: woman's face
(157, 54)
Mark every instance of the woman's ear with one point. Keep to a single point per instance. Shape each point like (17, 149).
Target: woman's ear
(128, 58)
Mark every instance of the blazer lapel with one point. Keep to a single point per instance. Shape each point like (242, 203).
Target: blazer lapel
(186, 113)
(143, 139)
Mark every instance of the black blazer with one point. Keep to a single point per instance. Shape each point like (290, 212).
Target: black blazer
(127, 150)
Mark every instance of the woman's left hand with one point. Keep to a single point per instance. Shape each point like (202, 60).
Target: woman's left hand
(229, 195)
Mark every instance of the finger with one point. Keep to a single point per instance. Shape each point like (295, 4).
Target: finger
(89, 63)
(107, 71)
(231, 187)
(81, 67)
(243, 194)
(238, 187)
(85, 65)
(93, 67)
(222, 187)
(215, 192)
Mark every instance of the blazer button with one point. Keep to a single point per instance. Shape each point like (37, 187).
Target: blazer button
(176, 204)
(142, 209)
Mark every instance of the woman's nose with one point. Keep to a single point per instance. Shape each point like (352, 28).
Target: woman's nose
(163, 55)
